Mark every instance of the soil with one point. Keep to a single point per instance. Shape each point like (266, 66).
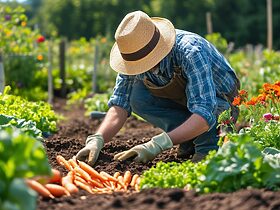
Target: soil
(70, 138)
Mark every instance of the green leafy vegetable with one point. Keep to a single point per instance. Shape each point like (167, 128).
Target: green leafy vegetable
(21, 156)
(39, 112)
(28, 127)
(237, 165)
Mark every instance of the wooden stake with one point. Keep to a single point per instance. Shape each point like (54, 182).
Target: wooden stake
(209, 23)
(2, 74)
(50, 78)
(269, 24)
(95, 64)
(62, 67)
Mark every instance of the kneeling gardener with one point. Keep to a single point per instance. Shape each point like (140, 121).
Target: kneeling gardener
(174, 79)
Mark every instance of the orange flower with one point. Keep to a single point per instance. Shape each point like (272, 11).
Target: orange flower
(262, 97)
(236, 101)
(243, 92)
(267, 87)
(23, 23)
(276, 89)
(253, 101)
(277, 83)
(103, 40)
(40, 57)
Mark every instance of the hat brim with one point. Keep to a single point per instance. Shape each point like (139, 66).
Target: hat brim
(163, 47)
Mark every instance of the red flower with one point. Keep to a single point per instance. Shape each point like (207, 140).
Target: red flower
(40, 39)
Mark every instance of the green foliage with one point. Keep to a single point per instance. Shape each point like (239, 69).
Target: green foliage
(255, 69)
(218, 41)
(85, 18)
(171, 175)
(21, 156)
(27, 127)
(240, 165)
(97, 103)
(270, 66)
(77, 97)
(267, 134)
(236, 165)
(39, 112)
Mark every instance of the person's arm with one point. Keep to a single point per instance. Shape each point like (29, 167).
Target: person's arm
(194, 126)
(112, 123)
(114, 120)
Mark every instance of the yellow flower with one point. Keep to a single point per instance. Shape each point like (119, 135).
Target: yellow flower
(9, 33)
(23, 23)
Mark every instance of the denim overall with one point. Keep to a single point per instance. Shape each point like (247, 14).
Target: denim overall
(165, 107)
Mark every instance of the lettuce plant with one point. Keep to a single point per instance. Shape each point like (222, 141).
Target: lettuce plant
(21, 156)
(39, 112)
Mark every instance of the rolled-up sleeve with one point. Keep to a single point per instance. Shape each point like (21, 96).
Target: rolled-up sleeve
(121, 92)
(200, 88)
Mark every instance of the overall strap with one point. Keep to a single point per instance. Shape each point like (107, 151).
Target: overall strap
(174, 90)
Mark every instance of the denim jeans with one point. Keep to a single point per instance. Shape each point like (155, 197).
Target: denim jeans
(167, 115)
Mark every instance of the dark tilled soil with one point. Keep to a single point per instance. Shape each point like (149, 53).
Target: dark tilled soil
(70, 138)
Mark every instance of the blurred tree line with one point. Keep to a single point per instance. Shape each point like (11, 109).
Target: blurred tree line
(239, 21)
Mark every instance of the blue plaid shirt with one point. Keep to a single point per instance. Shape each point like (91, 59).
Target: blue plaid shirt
(207, 72)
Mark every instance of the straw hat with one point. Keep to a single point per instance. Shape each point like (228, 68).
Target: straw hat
(141, 43)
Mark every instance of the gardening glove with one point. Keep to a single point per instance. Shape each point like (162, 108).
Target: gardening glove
(90, 152)
(148, 151)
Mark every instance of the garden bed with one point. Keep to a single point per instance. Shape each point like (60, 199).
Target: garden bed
(70, 139)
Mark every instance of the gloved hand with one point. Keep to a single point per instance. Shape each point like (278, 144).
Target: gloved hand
(90, 152)
(147, 151)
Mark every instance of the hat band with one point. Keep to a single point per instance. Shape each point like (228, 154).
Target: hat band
(143, 51)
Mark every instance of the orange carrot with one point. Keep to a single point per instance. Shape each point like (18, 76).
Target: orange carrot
(56, 176)
(80, 179)
(73, 163)
(61, 160)
(138, 180)
(107, 184)
(116, 174)
(133, 180)
(120, 183)
(108, 176)
(71, 188)
(92, 172)
(101, 190)
(57, 190)
(95, 183)
(83, 186)
(137, 187)
(127, 178)
(67, 182)
(82, 173)
(39, 188)
(69, 178)
(137, 184)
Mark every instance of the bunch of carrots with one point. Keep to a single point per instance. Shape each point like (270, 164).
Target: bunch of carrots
(81, 175)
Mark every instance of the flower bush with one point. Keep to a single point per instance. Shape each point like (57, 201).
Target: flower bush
(24, 51)
(261, 113)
